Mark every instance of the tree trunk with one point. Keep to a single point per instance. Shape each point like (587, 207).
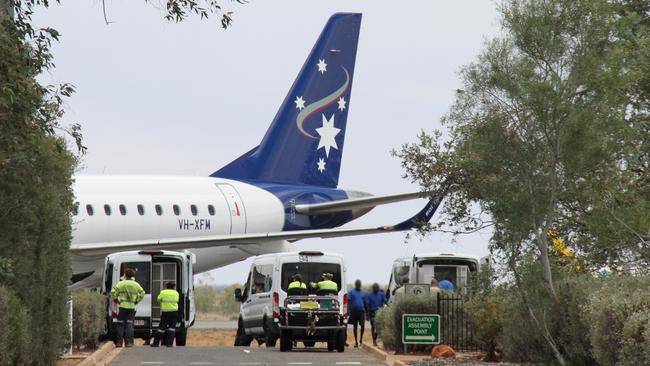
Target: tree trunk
(542, 245)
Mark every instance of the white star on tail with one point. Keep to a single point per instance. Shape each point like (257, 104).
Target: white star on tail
(327, 134)
(321, 165)
(300, 103)
(341, 103)
(322, 66)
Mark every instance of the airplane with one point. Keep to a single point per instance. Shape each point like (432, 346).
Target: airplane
(281, 191)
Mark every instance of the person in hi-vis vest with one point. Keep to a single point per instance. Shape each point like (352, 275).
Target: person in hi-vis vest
(168, 299)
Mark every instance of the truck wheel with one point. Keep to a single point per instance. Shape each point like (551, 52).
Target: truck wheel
(241, 339)
(270, 338)
(285, 341)
(340, 341)
(309, 343)
(181, 337)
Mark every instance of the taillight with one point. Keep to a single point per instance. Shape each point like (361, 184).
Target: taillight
(345, 306)
(276, 305)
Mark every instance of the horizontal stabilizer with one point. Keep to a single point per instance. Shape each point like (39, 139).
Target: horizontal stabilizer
(356, 203)
(421, 217)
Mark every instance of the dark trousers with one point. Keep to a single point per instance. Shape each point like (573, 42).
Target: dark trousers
(166, 328)
(124, 326)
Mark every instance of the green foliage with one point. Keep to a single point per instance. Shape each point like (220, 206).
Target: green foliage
(14, 338)
(89, 318)
(220, 303)
(389, 319)
(618, 314)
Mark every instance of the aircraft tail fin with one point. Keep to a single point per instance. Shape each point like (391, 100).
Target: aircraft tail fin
(304, 143)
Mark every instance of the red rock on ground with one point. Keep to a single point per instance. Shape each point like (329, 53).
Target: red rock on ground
(443, 351)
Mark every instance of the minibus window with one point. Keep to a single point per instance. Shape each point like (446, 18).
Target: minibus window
(142, 273)
(310, 272)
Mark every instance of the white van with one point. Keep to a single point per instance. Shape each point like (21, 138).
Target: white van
(262, 311)
(153, 268)
(421, 268)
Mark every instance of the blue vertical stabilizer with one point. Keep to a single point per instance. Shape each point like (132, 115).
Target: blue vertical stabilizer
(304, 143)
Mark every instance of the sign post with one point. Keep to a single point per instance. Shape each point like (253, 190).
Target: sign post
(420, 329)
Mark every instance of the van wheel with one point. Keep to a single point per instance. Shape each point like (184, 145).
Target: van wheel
(285, 341)
(241, 339)
(181, 337)
(340, 341)
(309, 343)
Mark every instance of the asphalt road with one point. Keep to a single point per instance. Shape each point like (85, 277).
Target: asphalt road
(239, 356)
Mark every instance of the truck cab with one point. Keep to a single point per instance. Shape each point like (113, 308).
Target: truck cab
(153, 268)
(422, 268)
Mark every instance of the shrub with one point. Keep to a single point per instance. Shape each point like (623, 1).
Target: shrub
(89, 318)
(14, 338)
(389, 325)
(618, 314)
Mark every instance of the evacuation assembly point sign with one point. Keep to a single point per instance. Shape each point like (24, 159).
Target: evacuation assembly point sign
(420, 328)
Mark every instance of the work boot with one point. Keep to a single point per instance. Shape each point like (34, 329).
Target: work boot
(129, 345)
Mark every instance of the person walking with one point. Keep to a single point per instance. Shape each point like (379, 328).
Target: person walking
(376, 301)
(357, 302)
(168, 299)
(128, 293)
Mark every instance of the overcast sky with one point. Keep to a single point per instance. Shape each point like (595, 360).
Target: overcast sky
(155, 97)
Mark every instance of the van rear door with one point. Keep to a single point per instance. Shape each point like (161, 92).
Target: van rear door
(142, 266)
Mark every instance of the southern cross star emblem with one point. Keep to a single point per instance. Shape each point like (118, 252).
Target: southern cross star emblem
(327, 135)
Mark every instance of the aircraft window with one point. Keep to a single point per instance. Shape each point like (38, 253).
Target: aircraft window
(123, 210)
(89, 209)
(107, 210)
(75, 209)
(211, 210)
(159, 210)
(194, 210)
(177, 210)
(141, 210)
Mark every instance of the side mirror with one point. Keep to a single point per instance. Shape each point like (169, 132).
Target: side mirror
(238, 294)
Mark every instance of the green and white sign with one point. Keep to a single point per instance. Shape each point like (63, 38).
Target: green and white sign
(420, 328)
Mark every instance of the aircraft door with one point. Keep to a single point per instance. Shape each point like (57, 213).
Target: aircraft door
(236, 207)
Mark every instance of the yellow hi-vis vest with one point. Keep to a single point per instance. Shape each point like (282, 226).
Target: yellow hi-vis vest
(168, 300)
(129, 292)
(327, 285)
(297, 284)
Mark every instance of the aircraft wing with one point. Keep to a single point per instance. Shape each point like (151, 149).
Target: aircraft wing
(356, 203)
(423, 216)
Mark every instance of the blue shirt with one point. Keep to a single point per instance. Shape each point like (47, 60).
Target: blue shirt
(446, 285)
(357, 300)
(376, 300)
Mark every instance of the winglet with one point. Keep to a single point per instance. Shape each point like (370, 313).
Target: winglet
(421, 217)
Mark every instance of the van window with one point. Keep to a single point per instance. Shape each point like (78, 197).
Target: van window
(107, 210)
(211, 210)
(262, 278)
(310, 272)
(122, 210)
(401, 272)
(142, 273)
(108, 278)
(89, 210)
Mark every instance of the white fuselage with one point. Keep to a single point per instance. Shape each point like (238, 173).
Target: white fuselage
(112, 209)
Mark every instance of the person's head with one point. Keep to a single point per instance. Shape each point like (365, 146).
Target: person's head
(170, 285)
(375, 287)
(357, 284)
(327, 276)
(434, 282)
(297, 277)
(129, 273)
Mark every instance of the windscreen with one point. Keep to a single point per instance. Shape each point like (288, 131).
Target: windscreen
(310, 272)
(401, 272)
